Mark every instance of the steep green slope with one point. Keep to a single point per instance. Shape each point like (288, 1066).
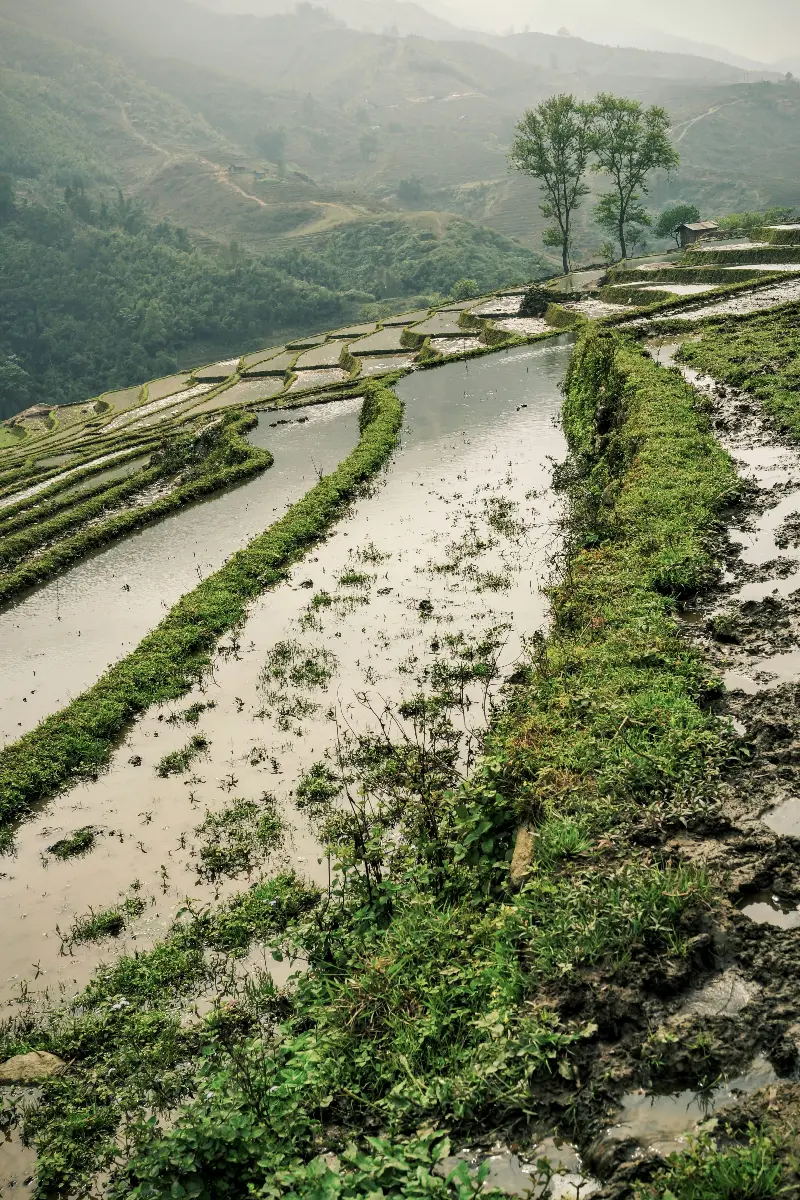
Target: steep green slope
(98, 292)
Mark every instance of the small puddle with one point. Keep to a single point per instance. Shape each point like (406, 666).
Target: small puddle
(785, 819)
(17, 1162)
(662, 1123)
(519, 1175)
(774, 469)
(764, 908)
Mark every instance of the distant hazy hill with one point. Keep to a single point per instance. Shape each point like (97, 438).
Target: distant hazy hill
(429, 21)
(98, 292)
(373, 16)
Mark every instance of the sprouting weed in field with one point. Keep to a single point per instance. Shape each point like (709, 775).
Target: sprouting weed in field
(357, 579)
(371, 554)
(489, 581)
(499, 513)
(179, 761)
(290, 663)
(317, 789)
(754, 1170)
(559, 839)
(109, 922)
(190, 715)
(471, 545)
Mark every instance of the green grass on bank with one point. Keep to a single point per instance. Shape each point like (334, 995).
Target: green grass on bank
(80, 739)
(436, 998)
(754, 1169)
(760, 353)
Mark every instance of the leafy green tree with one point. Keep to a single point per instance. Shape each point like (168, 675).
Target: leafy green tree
(637, 220)
(466, 289)
(410, 191)
(746, 222)
(630, 142)
(6, 197)
(553, 144)
(14, 386)
(671, 218)
(128, 213)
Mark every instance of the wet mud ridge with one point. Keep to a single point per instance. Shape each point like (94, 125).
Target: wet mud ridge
(741, 1020)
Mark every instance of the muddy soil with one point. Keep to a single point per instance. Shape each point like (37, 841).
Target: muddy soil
(731, 1044)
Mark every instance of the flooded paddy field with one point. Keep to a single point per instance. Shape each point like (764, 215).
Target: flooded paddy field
(61, 637)
(431, 586)
(446, 555)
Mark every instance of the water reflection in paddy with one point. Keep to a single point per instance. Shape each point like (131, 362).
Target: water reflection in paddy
(478, 438)
(56, 641)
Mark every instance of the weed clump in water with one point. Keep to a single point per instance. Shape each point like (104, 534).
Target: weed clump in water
(75, 844)
(237, 839)
(179, 761)
(291, 663)
(355, 579)
(110, 922)
(190, 715)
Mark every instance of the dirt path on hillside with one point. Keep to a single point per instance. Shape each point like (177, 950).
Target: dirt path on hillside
(687, 125)
(130, 128)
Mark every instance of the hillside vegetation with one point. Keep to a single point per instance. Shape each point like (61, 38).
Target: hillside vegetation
(293, 171)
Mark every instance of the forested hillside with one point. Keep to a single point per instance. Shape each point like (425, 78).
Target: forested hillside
(280, 174)
(100, 288)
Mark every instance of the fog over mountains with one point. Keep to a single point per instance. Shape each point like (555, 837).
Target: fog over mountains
(731, 31)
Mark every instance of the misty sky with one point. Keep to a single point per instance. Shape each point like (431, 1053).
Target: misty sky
(767, 30)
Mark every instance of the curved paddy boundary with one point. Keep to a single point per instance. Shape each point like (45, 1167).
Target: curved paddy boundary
(78, 741)
(233, 461)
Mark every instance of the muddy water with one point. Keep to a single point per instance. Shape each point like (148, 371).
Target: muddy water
(750, 302)
(766, 909)
(765, 568)
(56, 641)
(759, 597)
(468, 490)
(661, 1123)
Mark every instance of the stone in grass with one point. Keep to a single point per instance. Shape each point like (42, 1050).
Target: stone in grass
(27, 1070)
(522, 861)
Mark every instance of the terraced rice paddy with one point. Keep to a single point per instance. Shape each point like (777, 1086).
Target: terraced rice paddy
(58, 640)
(484, 798)
(327, 355)
(217, 373)
(169, 401)
(386, 341)
(316, 378)
(453, 468)
(55, 480)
